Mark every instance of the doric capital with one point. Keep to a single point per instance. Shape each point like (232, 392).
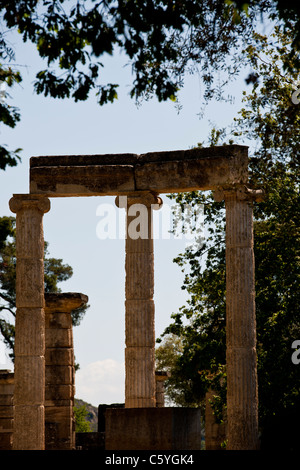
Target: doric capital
(161, 375)
(64, 302)
(146, 198)
(25, 201)
(241, 192)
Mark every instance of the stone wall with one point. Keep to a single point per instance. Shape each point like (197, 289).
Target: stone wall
(6, 409)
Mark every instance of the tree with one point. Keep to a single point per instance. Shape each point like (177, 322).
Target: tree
(162, 40)
(81, 422)
(54, 272)
(271, 120)
(167, 355)
(6, 229)
(200, 324)
(9, 115)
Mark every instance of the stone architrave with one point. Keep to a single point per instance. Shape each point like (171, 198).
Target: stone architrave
(60, 371)
(140, 386)
(29, 371)
(242, 393)
(121, 174)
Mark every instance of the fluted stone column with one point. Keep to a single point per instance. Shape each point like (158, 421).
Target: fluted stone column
(139, 305)
(242, 395)
(60, 370)
(29, 371)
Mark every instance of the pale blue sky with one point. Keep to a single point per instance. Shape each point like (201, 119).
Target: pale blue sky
(56, 127)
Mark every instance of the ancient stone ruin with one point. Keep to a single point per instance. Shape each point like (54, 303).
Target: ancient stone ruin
(40, 404)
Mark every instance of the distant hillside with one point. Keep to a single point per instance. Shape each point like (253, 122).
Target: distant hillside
(92, 415)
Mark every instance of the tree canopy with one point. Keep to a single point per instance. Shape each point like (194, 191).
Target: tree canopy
(161, 39)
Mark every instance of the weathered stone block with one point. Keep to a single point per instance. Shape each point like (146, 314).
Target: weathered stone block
(139, 323)
(61, 392)
(29, 392)
(6, 400)
(6, 389)
(59, 375)
(59, 357)
(57, 320)
(62, 414)
(29, 283)
(191, 174)
(6, 425)
(140, 377)
(59, 427)
(82, 180)
(6, 441)
(139, 245)
(90, 440)
(139, 276)
(29, 223)
(6, 411)
(29, 423)
(30, 320)
(153, 429)
(59, 338)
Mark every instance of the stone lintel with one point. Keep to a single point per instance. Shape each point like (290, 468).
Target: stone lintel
(117, 174)
(191, 174)
(72, 181)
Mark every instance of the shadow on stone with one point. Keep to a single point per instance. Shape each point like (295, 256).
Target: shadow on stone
(152, 429)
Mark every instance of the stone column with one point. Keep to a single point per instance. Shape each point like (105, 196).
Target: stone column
(29, 371)
(60, 371)
(139, 304)
(242, 396)
(6, 409)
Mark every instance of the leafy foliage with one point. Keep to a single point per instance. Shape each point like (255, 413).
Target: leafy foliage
(162, 40)
(81, 422)
(9, 115)
(200, 324)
